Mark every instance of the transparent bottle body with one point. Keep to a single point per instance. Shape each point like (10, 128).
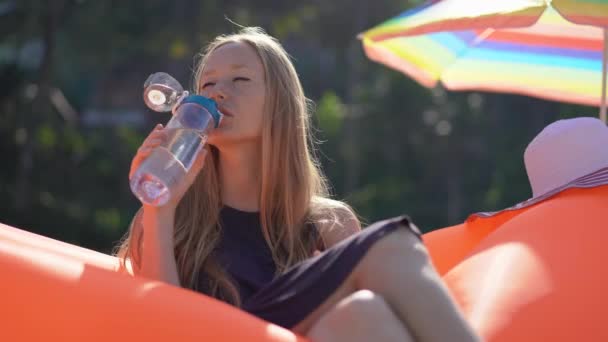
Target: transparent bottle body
(157, 177)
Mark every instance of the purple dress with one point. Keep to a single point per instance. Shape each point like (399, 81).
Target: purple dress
(287, 299)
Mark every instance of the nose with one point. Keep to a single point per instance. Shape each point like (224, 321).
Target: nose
(215, 92)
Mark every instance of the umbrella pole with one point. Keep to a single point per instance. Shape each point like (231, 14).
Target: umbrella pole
(604, 72)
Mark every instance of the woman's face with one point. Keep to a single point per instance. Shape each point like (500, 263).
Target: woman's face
(234, 77)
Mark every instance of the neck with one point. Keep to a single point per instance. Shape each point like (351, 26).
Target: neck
(240, 176)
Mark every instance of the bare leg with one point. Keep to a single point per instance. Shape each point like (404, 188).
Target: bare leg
(360, 317)
(398, 269)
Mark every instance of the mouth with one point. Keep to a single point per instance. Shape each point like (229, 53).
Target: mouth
(225, 111)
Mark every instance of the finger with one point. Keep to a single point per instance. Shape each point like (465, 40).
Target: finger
(157, 131)
(145, 151)
(134, 165)
(162, 135)
(138, 159)
(155, 134)
(142, 153)
(152, 142)
(141, 149)
(131, 172)
(158, 128)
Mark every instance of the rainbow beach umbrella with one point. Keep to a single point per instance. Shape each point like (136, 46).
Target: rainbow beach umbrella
(554, 50)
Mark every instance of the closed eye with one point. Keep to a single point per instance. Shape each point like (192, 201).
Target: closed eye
(240, 79)
(207, 84)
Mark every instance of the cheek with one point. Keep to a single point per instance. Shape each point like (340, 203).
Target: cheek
(257, 107)
(253, 125)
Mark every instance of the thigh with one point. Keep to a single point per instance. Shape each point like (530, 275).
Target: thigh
(362, 316)
(309, 289)
(398, 242)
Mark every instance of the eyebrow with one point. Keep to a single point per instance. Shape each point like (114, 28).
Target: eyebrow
(232, 67)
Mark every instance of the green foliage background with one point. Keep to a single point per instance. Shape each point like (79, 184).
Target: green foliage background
(71, 113)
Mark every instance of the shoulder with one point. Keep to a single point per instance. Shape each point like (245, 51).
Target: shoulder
(334, 220)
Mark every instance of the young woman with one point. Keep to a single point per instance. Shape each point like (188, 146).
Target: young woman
(255, 227)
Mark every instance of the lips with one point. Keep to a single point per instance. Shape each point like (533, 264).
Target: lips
(225, 111)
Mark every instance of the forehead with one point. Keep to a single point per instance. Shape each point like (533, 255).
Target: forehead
(233, 55)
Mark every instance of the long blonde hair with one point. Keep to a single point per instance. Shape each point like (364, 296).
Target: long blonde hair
(294, 191)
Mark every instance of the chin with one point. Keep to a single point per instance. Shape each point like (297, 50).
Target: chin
(224, 139)
(220, 137)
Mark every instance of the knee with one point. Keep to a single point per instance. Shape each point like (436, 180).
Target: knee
(361, 309)
(361, 305)
(359, 317)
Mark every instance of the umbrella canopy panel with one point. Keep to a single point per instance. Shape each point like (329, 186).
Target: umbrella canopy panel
(552, 59)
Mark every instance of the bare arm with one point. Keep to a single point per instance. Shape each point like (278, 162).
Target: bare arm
(157, 258)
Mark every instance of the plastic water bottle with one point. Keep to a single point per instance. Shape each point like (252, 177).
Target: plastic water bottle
(162, 92)
(194, 116)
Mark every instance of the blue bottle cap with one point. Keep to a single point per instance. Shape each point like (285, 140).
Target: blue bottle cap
(206, 103)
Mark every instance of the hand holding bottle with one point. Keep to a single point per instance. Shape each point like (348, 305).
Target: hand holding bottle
(158, 170)
(156, 138)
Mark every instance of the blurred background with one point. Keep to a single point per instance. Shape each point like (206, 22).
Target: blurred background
(72, 114)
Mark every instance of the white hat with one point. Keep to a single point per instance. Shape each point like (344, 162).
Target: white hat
(564, 151)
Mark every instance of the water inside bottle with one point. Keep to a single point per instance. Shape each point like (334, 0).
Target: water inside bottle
(159, 174)
(184, 144)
